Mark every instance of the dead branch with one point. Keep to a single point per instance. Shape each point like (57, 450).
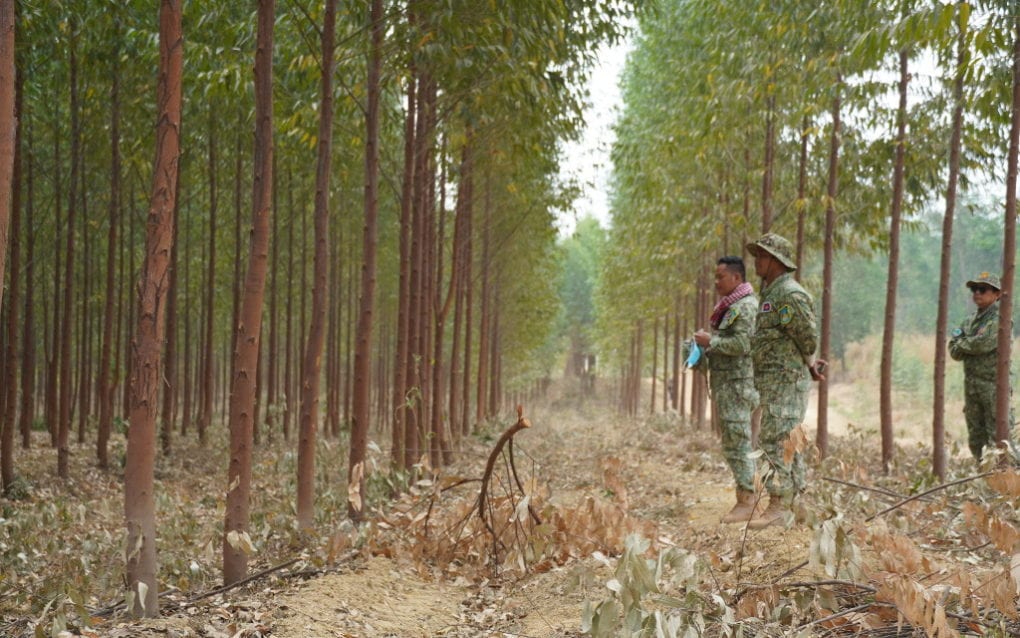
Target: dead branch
(521, 424)
(507, 436)
(921, 495)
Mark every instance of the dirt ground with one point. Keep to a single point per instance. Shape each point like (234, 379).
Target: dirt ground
(679, 483)
(658, 468)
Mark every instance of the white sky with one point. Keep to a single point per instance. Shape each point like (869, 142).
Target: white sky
(587, 161)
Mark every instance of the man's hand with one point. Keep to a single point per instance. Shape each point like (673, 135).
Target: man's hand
(818, 369)
(702, 338)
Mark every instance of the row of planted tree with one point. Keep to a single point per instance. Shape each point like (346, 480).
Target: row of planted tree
(835, 124)
(368, 221)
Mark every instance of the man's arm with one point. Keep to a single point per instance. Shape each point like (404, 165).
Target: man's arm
(985, 340)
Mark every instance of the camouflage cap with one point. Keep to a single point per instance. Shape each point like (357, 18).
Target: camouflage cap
(987, 279)
(777, 246)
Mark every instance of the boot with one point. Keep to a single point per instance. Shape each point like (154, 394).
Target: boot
(774, 514)
(743, 511)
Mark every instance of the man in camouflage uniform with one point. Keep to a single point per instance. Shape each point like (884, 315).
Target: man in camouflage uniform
(975, 343)
(782, 348)
(731, 376)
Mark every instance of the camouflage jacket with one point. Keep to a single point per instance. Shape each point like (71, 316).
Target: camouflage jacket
(976, 342)
(729, 350)
(786, 333)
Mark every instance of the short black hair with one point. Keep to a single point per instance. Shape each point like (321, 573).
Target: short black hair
(735, 264)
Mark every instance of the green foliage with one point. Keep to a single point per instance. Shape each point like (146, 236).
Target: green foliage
(655, 597)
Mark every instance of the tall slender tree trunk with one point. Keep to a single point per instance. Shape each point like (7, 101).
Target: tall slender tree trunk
(170, 380)
(52, 406)
(465, 415)
(320, 290)
(655, 363)
(105, 384)
(139, 499)
(28, 328)
(802, 193)
(768, 168)
(10, 209)
(8, 125)
(1003, 383)
(822, 434)
(400, 368)
(363, 352)
(235, 317)
(206, 384)
(64, 424)
(249, 326)
(483, 320)
(942, 315)
(889, 333)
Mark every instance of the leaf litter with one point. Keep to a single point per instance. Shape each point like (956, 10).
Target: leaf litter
(596, 523)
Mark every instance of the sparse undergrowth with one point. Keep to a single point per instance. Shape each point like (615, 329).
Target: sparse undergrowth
(615, 515)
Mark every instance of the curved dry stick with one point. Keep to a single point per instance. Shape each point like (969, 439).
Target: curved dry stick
(521, 424)
(926, 493)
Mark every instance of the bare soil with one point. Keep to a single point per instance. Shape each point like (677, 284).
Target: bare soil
(657, 468)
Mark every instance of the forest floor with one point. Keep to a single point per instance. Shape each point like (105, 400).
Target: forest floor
(939, 563)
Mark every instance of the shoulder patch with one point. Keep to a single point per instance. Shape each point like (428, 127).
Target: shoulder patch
(957, 332)
(767, 306)
(728, 319)
(785, 314)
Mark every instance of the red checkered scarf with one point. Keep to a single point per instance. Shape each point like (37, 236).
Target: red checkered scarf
(742, 290)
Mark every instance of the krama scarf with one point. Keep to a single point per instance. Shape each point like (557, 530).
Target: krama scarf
(742, 290)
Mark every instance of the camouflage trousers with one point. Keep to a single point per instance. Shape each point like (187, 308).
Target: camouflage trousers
(734, 400)
(784, 404)
(979, 411)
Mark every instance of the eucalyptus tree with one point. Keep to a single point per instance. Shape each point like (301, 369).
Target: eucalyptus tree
(139, 499)
(320, 291)
(243, 384)
(1003, 384)
(7, 125)
(366, 303)
(480, 83)
(8, 149)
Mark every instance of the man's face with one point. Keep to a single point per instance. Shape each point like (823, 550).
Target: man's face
(762, 261)
(725, 280)
(984, 296)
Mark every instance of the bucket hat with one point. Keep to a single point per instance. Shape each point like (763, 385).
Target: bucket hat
(777, 246)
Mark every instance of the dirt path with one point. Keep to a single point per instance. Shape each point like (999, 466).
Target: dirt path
(660, 470)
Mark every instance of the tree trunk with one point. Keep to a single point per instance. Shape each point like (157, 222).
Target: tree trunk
(64, 422)
(8, 127)
(802, 193)
(942, 315)
(170, 381)
(249, 326)
(104, 384)
(889, 333)
(655, 363)
(139, 499)
(320, 291)
(465, 415)
(28, 324)
(768, 167)
(822, 435)
(362, 357)
(400, 369)
(206, 384)
(1003, 386)
(483, 321)
(10, 221)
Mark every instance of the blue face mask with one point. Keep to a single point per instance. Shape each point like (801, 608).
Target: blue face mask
(694, 356)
